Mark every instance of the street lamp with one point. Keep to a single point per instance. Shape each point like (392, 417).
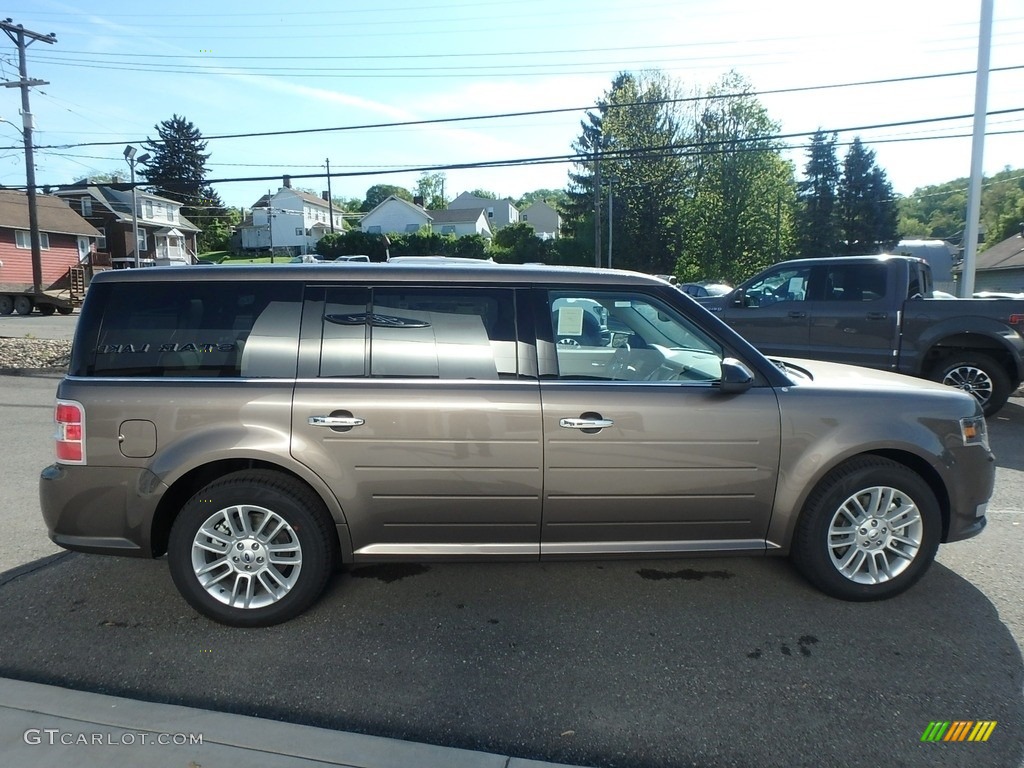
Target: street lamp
(129, 155)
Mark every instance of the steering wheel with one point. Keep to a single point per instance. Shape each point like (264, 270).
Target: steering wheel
(568, 342)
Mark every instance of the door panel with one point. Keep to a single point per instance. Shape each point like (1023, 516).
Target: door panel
(424, 423)
(681, 464)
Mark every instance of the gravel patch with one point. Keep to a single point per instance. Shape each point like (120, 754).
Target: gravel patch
(34, 355)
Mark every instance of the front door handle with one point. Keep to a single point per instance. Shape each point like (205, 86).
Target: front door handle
(335, 421)
(877, 315)
(797, 315)
(585, 423)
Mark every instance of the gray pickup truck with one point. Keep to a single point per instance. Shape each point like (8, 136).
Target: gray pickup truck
(877, 311)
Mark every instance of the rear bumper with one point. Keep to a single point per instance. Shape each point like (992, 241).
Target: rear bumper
(102, 510)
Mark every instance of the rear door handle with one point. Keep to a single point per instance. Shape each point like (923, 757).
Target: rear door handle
(335, 421)
(797, 315)
(878, 315)
(585, 423)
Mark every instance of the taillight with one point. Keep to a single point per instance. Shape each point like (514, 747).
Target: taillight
(1016, 319)
(70, 418)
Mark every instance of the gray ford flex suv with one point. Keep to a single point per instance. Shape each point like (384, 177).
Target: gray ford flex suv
(262, 426)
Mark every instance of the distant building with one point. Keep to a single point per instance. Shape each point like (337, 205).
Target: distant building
(500, 213)
(543, 218)
(289, 221)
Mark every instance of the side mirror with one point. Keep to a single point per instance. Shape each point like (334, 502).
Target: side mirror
(738, 298)
(736, 377)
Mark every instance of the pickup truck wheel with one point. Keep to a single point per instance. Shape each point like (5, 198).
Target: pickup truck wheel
(869, 530)
(978, 374)
(23, 305)
(6, 305)
(252, 549)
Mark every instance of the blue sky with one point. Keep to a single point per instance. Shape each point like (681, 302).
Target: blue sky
(118, 68)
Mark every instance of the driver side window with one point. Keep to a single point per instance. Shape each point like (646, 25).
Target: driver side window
(788, 284)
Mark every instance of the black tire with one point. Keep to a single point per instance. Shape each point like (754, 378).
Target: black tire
(23, 305)
(65, 310)
(844, 570)
(976, 373)
(280, 590)
(46, 309)
(6, 304)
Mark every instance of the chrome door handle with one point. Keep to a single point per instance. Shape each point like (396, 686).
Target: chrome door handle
(585, 423)
(335, 421)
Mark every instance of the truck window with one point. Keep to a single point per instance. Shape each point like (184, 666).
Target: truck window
(855, 282)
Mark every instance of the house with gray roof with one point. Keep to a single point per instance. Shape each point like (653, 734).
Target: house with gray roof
(165, 236)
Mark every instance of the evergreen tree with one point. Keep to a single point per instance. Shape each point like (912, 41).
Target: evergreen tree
(868, 212)
(817, 234)
(177, 167)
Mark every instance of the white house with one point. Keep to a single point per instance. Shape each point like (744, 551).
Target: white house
(543, 218)
(290, 220)
(500, 213)
(460, 222)
(396, 215)
(393, 214)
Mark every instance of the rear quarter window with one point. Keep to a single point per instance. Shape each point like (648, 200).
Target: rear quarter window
(208, 329)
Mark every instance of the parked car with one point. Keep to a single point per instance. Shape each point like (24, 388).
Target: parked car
(698, 290)
(877, 311)
(353, 257)
(262, 426)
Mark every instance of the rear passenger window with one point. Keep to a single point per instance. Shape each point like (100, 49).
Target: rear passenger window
(433, 333)
(202, 329)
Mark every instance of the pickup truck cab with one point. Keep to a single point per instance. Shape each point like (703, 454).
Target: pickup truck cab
(877, 311)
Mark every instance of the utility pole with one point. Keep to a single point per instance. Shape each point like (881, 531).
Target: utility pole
(330, 196)
(597, 205)
(270, 224)
(18, 33)
(977, 151)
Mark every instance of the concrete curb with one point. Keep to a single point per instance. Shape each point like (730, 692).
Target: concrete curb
(43, 725)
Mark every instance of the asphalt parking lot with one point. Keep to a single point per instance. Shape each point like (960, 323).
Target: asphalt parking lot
(703, 662)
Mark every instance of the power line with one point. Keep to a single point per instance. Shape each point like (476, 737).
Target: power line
(559, 110)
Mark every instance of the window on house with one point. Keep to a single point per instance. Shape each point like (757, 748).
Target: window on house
(490, 213)
(170, 213)
(87, 206)
(525, 217)
(373, 230)
(448, 229)
(83, 248)
(101, 241)
(300, 231)
(412, 228)
(147, 209)
(142, 242)
(22, 239)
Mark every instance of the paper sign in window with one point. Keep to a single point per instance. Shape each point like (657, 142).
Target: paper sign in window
(570, 321)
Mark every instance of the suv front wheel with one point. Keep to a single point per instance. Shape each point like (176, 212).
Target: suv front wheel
(252, 549)
(869, 530)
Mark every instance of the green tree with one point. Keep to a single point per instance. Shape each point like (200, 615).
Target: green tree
(177, 170)
(484, 193)
(634, 135)
(740, 211)
(868, 212)
(518, 244)
(556, 198)
(177, 167)
(817, 234)
(430, 187)
(378, 193)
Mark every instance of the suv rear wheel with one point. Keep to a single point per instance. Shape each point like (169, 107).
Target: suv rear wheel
(869, 530)
(252, 549)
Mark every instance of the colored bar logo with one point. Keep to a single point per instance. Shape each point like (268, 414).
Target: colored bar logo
(958, 730)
